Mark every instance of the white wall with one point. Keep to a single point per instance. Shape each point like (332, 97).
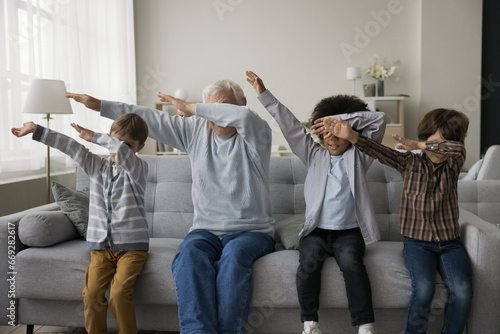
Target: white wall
(301, 50)
(451, 63)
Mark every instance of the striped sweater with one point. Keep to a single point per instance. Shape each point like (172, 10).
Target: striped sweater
(117, 218)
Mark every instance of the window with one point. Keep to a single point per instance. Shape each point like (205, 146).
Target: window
(87, 44)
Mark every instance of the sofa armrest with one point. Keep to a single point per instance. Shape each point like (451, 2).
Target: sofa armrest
(482, 242)
(10, 245)
(481, 198)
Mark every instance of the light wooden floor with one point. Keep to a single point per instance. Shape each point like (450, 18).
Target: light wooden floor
(21, 329)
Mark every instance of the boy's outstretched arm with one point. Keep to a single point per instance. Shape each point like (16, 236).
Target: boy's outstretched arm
(408, 144)
(28, 127)
(85, 134)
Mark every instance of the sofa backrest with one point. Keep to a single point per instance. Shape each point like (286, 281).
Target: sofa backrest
(169, 207)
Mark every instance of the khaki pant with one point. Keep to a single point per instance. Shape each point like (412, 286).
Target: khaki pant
(121, 269)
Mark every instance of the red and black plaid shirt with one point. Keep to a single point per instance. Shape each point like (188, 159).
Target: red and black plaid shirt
(429, 202)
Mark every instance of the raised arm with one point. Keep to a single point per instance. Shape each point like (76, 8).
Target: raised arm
(80, 154)
(342, 129)
(124, 156)
(301, 143)
(121, 153)
(171, 130)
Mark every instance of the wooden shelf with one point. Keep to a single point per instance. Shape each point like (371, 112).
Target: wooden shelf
(395, 123)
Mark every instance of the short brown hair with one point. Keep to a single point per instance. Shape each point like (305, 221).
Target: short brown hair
(452, 125)
(132, 125)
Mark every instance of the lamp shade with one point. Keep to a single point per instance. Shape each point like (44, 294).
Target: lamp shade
(47, 97)
(352, 73)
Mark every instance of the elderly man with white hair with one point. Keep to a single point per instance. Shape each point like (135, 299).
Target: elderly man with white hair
(229, 146)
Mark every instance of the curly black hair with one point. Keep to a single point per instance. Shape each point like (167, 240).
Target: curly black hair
(336, 105)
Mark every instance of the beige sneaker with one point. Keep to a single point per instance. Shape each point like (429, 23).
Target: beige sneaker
(313, 328)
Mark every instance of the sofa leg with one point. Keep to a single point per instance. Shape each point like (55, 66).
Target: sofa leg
(29, 329)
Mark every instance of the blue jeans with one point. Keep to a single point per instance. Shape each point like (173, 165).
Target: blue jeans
(423, 259)
(213, 280)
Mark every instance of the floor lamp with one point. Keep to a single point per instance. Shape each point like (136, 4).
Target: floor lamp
(47, 97)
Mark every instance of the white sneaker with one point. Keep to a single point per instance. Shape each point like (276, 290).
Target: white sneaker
(313, 328)
(367, 329)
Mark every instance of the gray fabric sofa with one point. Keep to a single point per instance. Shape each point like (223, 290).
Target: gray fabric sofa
(48, 281)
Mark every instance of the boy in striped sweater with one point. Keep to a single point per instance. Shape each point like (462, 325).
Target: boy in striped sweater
(117, 233)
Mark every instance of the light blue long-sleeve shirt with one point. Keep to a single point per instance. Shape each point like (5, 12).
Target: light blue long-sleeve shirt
(338, 211)
(230, 189)
(316, 158)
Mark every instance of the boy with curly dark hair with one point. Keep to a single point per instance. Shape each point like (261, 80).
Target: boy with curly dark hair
(336, 224)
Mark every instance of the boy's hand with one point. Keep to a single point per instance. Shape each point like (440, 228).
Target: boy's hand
(331, 126)
(406, 144)
(84, 133)
(186, 109)
(89, 101)
(256, 82)
(28, 127)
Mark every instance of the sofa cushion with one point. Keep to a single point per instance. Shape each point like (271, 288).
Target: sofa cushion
(51, 273)
(274, 279)
(46, 228)
(75, 204)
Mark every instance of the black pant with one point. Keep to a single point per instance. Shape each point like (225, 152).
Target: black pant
(348, 248)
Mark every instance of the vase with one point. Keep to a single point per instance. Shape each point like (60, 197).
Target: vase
(380, 87)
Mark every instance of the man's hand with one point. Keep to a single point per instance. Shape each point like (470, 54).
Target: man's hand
(84, 133)
(407, 144)
(256, 82)
(89, 101)
(186, 109)
(28, 127)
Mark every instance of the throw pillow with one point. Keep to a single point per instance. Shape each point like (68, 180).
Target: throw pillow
(287, 230)
(46, 228)
(75, 204)
(473, 171)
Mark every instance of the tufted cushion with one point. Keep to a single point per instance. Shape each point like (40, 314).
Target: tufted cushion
(287, 231)
(75, 204)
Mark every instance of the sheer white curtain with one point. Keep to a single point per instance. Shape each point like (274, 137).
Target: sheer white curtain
(87, 44)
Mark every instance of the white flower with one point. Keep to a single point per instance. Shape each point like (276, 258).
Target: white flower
(379, 70)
